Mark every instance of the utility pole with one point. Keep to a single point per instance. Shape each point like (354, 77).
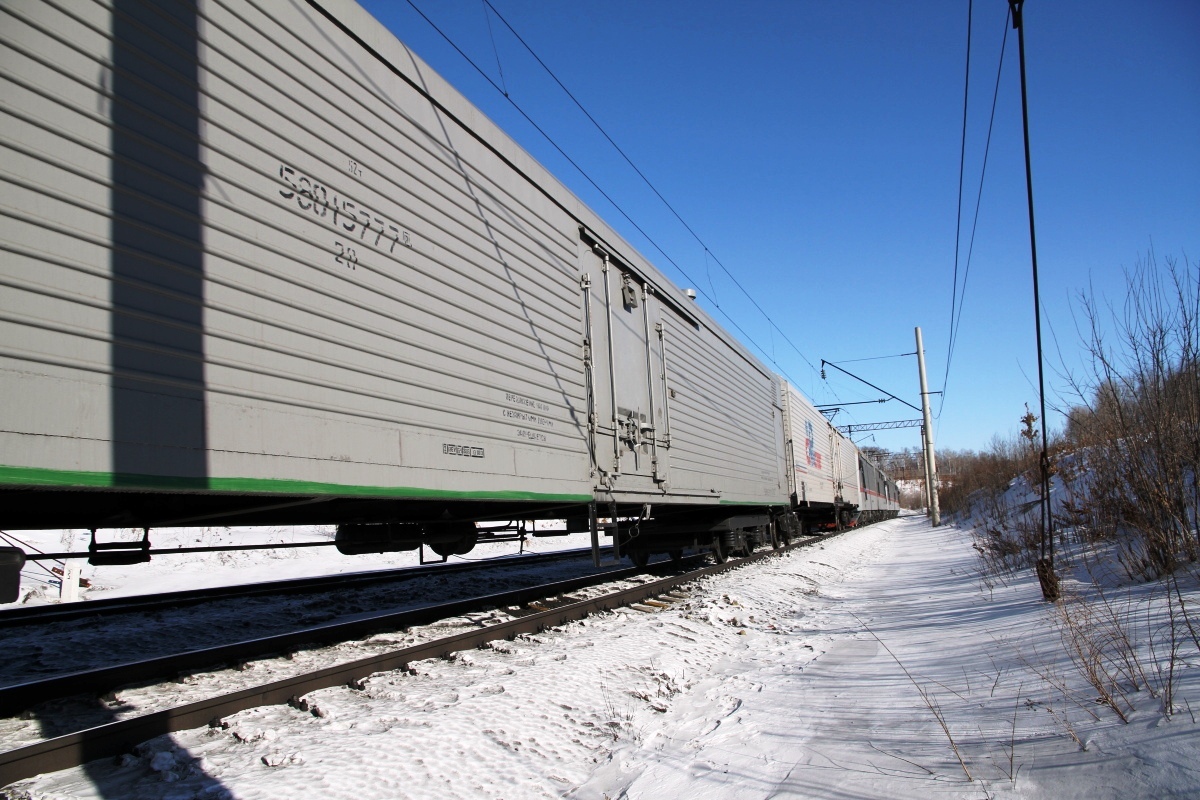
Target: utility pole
(927, 483)
(1045, 562)
(927, 430)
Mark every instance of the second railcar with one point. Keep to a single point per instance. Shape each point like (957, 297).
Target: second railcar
(878, 496)
(832, 485)
(820, 495)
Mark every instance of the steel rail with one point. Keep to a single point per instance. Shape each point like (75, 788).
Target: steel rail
(18, 697)
(175, 551)
(26, 615)
(115, 738)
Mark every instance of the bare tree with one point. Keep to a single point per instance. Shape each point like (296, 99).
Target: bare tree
(1136, 424)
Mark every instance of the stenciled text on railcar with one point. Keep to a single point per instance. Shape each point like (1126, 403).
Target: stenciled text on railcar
(343, 214)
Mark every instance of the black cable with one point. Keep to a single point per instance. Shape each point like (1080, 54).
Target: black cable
(487, 17)
(614, 203)
(956, 323)
(708, 274)
(539, 129)
(868, 383)
(29, 560)
(654, 189)
(872, 358)
(978, 199)
(962, 162)
(316, 5)
(854, 403)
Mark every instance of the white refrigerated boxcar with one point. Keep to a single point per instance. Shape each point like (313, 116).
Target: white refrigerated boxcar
(262, 265)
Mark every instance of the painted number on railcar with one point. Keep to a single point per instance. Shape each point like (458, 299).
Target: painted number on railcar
(529, 419)
(345, 255)
(464, 450)
(518, 400)
(342, 213)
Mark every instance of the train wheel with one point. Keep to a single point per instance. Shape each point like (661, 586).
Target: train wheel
(676, 557)
(640, 558)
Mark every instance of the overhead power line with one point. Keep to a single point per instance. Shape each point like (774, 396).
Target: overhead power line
(871, 358)
(603, 193)
(496, 50)
(868, 383)
(853, 403)
(962, 163)
(707, 251)
(956, 317)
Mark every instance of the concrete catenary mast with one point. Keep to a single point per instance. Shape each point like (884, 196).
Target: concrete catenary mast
(927, 430)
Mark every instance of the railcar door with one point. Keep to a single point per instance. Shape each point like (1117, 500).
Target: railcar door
(626, 351)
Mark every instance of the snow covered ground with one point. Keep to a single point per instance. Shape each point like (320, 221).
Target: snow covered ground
(876, 664)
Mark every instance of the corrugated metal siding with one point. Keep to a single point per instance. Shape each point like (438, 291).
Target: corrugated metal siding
(725, 420)
(847, 462)
(242, 250)
(455, 321)
(881, 492)
(812, 449)
(868, 484)
(54, 229)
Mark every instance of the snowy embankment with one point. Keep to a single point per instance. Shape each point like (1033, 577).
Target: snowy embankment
(873, 665)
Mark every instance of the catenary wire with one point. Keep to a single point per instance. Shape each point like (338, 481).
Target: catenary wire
(653, 188)
(618, 207)
(872, 358)
(962, 162)
(956, 321)
(496, 50)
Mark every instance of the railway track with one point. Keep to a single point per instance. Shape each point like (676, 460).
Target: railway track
(72, 656)
(527, 611)
(91, 609)
(19, 697)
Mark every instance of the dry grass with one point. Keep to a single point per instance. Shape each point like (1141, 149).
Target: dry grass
(927, 697)
(1126, 493)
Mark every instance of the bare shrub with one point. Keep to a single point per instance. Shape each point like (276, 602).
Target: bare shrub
(1136, 427)
(996, 493)
(1130, 489)
(1099, 646)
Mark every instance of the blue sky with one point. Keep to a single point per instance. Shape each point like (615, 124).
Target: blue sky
(814, 149)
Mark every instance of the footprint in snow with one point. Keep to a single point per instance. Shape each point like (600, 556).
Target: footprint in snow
(729, 705)
(378, 725)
